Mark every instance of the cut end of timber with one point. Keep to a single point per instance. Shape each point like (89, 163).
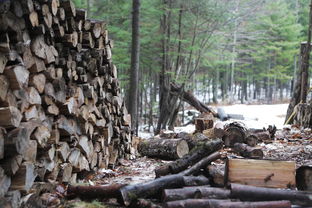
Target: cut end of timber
(182, 149)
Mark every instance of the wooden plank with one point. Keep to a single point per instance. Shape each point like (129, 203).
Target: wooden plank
(262, 173)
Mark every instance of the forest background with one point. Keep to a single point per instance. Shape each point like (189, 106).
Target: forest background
(223, 51)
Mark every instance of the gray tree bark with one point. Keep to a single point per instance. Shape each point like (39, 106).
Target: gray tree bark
(135, 59)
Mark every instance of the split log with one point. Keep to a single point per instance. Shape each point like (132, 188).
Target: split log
(14, 197)
(24, 178)
(1, 143)
(18, 76)
(5, 182)
(251, 193)
(11, 165)
(95, 192)
(196, 192)
(265, 173)
(4, 87)
(214, 133)
(10, 117)
(304, 178)
(214, 203)
(154, 188)
(190, 159)
(247, 151)
(167, 149)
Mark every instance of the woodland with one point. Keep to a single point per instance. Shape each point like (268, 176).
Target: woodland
(120, 103)
(231, 51)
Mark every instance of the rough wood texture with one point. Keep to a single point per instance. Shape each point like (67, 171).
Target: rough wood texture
(304, 178)
(252, 193)
(154, 188)
(211, 203)
(265, 173)
(247, 151)
(190, 159)
(168, 149)
(195, 192)
(61, 114)
(94, 192)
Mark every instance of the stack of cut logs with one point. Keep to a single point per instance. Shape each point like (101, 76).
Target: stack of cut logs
(61, 112)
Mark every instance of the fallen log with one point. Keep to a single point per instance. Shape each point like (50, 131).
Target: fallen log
(196, 192)
(94, 192)
(252, 193)
(304, 178)
(263, 173)
(201, 164)
(190, 159)
(167, 149)
(154, 188)
(214, 203)
(247, 151)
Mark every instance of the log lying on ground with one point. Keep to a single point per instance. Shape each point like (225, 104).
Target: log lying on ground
(201, 164)
(265, 173)
(247, 151)
(214, 203)
(154, 188)
(252, 193)
(94, 192)
(167, 149)
(304, 178)
(196, 192)
(190, 159)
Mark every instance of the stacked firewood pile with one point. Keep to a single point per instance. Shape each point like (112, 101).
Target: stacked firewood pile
(224, 167)
(61, 112)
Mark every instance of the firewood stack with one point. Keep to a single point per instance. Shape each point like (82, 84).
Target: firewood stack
(61, 112)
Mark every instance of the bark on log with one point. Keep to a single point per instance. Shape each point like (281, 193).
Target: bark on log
(190, 159)
(95, 192)
(196, 192)
(211, 203)
(10, 117)
(201, 164)
(154, 188)
(304, 178)
(167, 149)
(248, 152)
(252, 193)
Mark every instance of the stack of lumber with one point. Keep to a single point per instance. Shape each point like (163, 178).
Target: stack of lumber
(61, 112)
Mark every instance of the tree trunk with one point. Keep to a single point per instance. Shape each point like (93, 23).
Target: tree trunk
(135, 59)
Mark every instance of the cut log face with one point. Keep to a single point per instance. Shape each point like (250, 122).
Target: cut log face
(61, 111)
(10, 117)
(169, 149)
(304, 178)
(265, 173)
(24, 178)
(18, 76)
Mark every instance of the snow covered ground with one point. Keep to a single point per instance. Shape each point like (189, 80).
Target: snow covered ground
(258, 116)
(255, 116)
